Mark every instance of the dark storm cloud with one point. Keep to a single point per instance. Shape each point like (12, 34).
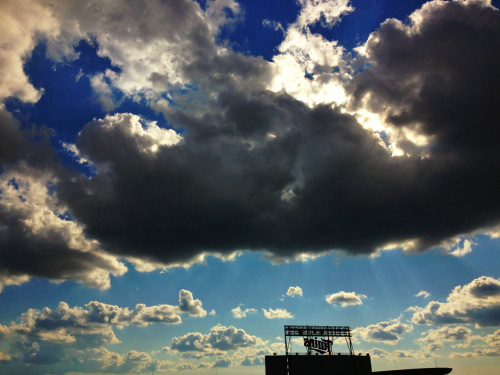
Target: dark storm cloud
(439, 74)
(11, 139)
(26, 148)
(223, 192)
(262, 171)
(34, 240)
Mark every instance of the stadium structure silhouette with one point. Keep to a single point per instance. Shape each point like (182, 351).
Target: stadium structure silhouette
(319, 358)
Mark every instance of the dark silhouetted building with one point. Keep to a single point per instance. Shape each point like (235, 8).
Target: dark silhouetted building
(321, 360)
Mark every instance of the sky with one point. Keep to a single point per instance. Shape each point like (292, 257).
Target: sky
(181, 179)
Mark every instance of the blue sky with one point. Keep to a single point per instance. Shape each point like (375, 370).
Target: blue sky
(181, 179)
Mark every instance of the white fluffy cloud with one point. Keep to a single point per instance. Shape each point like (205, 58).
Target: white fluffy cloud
(162, 40)
(12, 280)
(20, 22)
(147, 137)
(239, 313)
(397, 355)
(294, 291)
(277, 314)
(131, 362)
(494, 339)
(464, 250)
(477, 302)
(94, 323)
(187, 304)
(315, 10)
(304, 53)
(477, 353)
(345, 298)
(220, 339)
(434, 339)
(223, 361)
(389, 332)
(251, 356)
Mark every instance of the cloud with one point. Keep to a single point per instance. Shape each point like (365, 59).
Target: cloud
(101, 84)
(38, 236)
(464, 250)
(223, 361)
(154, 30)
(190, 342)
(249, 163)
(34, 222)
(314, 154)
(477, 353)
(417, 86)
(389, 332)
(252, 362)
(229, 338)
(228, 180)
(378, 353)
(345, 298)
(423, 293)
(306, 63)
(239, 313)
(251, 356)
(316, 10)
(132, 361)
(404, 354)
(21, 22)
(12, 280)
(87, 326)
(220, 339)
(4, 357)
(147, 265)
(294, 291)
(435, 338)
(277, 314)
(76, 336)
(34, 353)
(191, 366)
(477, 302)
(493, 339)
(398, 355)
(276, 259)
(187, 304)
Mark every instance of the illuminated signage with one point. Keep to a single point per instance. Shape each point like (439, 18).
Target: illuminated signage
(321, 346)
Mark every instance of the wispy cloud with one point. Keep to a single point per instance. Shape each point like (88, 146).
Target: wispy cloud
(239, 313)
(423, 293)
